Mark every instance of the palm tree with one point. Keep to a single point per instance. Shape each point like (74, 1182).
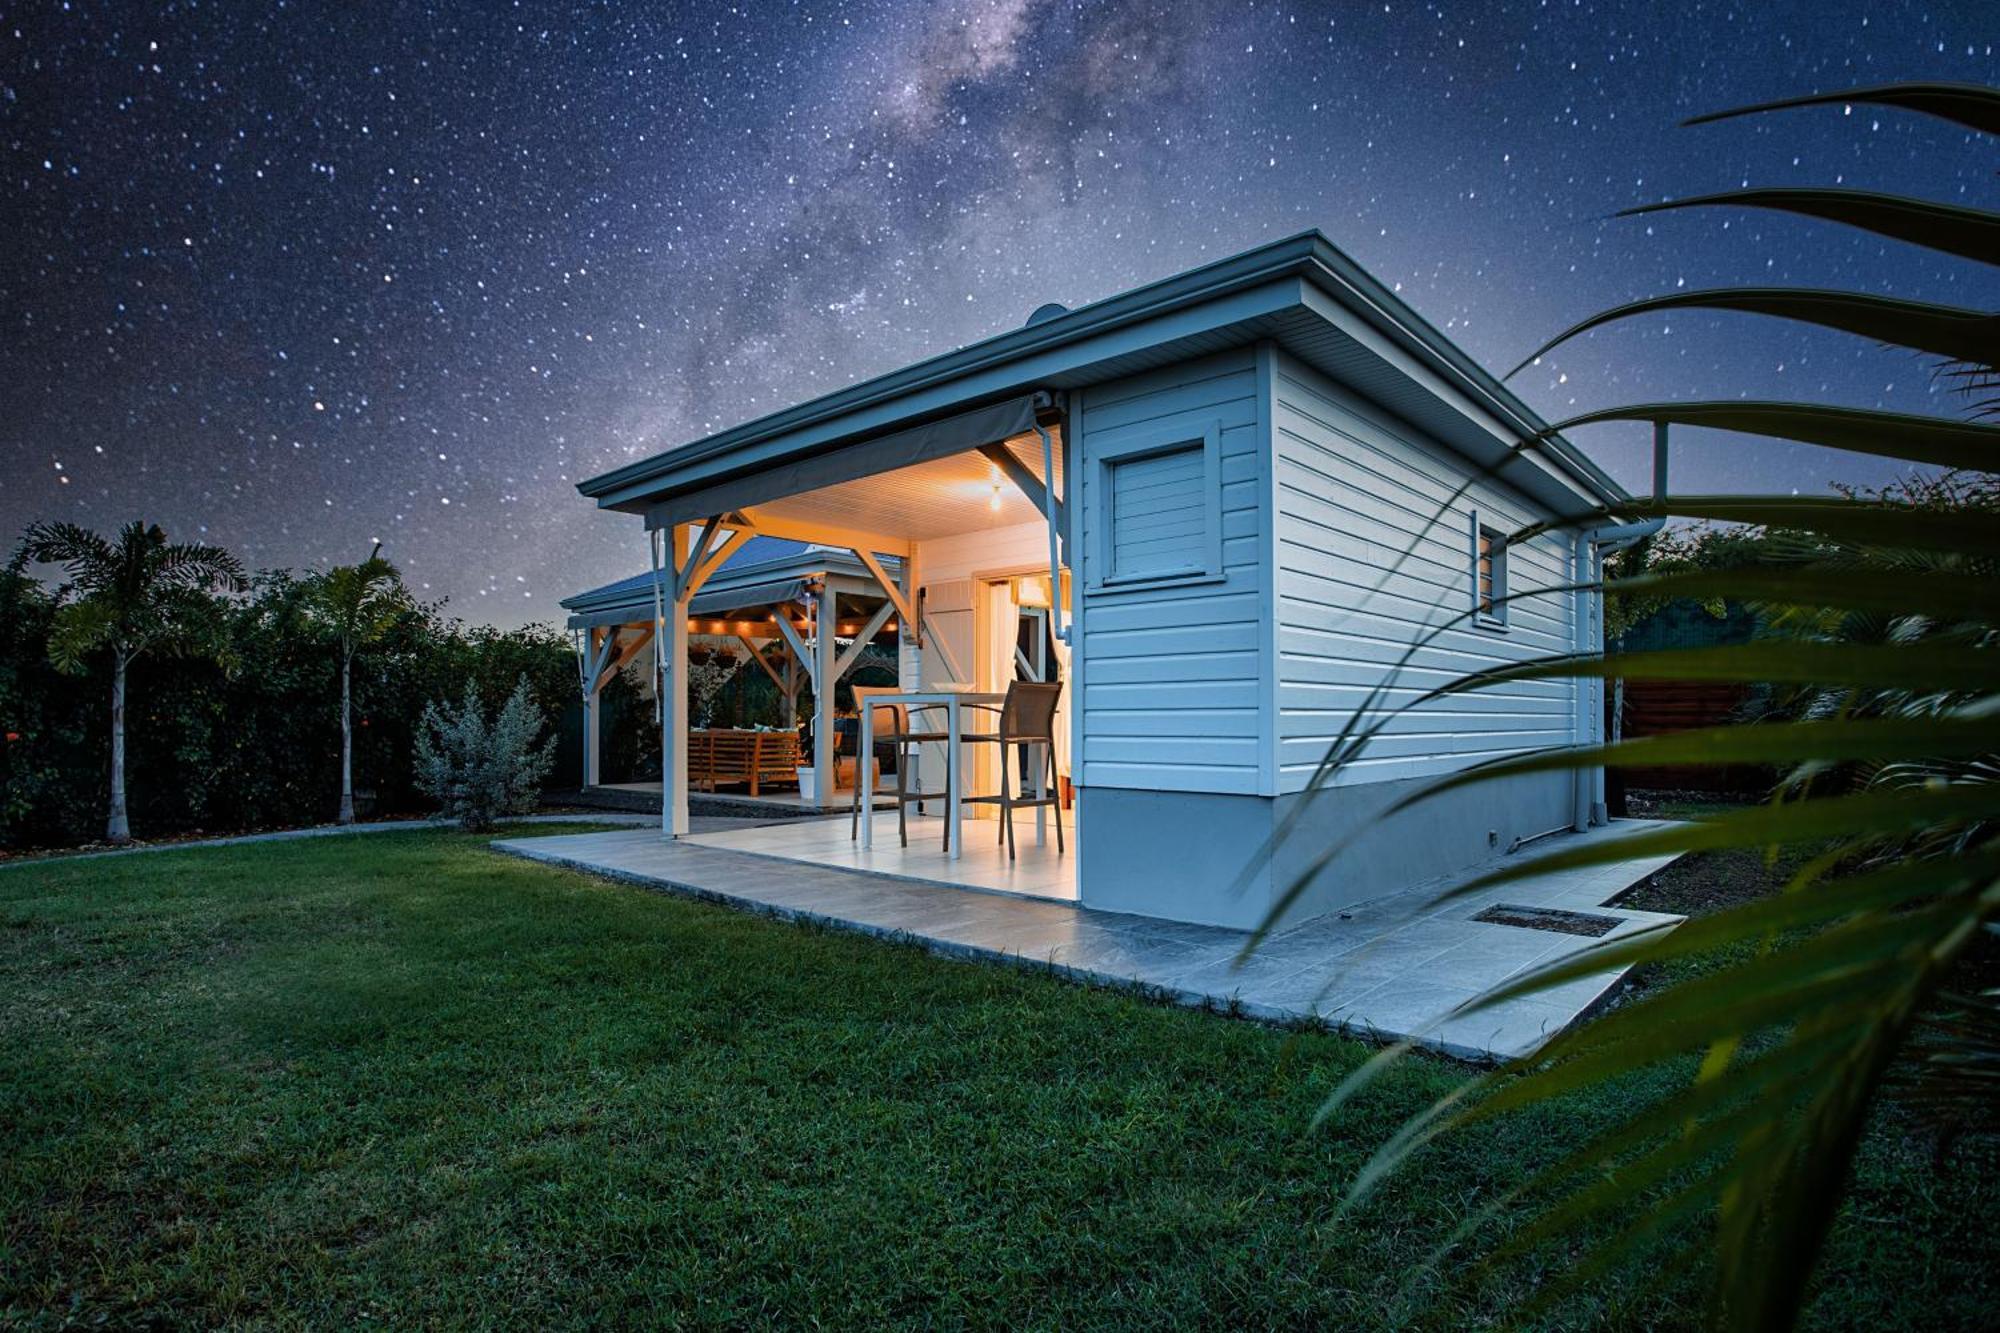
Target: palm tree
(1847, 984)
(355, 605)
(137, 595)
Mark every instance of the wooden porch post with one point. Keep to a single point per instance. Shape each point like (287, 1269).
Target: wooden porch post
(592, 733)
(603, 654)
(671, 642)
(825, 621)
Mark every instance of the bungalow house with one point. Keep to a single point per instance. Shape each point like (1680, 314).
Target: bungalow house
(1220, 508)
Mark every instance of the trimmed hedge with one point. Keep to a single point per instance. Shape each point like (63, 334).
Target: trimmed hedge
(260, 748)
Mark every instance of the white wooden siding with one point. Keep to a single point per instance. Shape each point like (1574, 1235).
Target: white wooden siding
(1172, 676)
(1366, 566)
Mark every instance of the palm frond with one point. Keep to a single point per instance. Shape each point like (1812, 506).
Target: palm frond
(359, 604)
(1790, 1012)
(135, 593)
(1943, 594)
(1968, 104)
(197, 564)
(1956, 732)
(1865, 523)
(1952, 332)
(1939, 441)
(1969, 233)
(1969, 380)
(80, 629)
(83, 554)
(1923, 667)
(1950, 1077)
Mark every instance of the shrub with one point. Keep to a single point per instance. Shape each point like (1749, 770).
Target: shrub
(476, 771)
(706, 677)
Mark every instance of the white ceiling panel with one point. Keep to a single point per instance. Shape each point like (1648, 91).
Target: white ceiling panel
(934, 499)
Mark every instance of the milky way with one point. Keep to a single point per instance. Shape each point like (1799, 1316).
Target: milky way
(296, 276)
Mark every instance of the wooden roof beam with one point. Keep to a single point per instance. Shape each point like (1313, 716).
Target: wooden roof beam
(1027, 483)
(715, 561)
(624, 654)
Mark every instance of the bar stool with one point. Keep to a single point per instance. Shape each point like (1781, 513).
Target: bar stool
(892, 724)
(1027, 718)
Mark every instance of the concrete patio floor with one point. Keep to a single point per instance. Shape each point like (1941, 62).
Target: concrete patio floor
(1037, 870)
(1392, 968)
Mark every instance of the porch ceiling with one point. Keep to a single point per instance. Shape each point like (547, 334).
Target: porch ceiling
(939, 498)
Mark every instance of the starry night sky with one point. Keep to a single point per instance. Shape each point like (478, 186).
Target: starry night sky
(293, 276)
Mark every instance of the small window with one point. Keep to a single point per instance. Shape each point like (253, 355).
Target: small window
(1158, 510)
(1489, 573)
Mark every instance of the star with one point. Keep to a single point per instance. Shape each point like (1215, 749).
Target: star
(265, 283)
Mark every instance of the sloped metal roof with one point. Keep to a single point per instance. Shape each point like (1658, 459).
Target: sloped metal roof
(1301, 292)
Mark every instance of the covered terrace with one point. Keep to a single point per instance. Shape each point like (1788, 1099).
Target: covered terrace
(766, 598)
(957, 522)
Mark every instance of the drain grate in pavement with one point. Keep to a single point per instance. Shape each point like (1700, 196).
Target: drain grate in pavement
(1549, 918)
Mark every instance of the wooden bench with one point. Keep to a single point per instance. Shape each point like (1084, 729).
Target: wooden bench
(723, 755)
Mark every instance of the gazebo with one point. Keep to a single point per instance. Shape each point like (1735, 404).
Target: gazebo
(804, 614)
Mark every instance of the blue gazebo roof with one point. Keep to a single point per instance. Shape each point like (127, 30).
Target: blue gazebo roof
(764, 571)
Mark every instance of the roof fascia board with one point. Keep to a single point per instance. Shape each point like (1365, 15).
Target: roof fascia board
(822, 564)
(850, 585)
(614, 615)
(792, 471)
(637, 611)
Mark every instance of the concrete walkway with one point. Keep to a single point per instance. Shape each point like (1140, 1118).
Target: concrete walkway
(1394, 968)
(644, 798)
(371, 826)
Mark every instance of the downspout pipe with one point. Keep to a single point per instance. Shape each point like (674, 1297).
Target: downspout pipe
(1057, 409)
(1055, 560)
(1587, 570)
(654, 541)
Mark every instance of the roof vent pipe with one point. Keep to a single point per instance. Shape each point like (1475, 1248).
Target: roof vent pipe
(1044, 313)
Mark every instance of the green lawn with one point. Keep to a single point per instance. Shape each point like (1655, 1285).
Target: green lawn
(401, 1078)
